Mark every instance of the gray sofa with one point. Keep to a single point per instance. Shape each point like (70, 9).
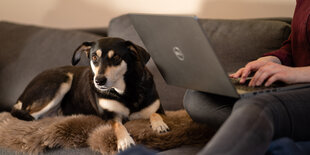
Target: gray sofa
(27, 50)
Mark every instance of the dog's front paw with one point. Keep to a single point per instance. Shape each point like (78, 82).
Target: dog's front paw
(125, 143)
(160, 127)
(158, 124)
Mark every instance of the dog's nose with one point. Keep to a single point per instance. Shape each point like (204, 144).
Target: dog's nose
(101, 81)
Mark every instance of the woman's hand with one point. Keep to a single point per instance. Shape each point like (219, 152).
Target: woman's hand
(271, 71)
(253, 66)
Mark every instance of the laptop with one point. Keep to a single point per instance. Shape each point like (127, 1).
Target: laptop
(185, 57)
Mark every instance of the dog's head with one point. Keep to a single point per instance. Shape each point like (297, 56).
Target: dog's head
(110, 59)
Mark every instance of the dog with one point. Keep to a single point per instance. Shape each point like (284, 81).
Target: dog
(116, 86)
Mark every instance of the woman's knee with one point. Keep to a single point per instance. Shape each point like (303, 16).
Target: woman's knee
(272, 107)
(265, 104)
(207, 108)
(262, 102)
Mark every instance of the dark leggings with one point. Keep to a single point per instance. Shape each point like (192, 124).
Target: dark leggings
(253, 122)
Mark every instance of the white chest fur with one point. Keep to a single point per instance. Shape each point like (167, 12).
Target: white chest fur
(146, 112)
(114, 106)
(120, 109)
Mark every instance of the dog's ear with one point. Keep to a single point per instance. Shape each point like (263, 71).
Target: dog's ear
(139, 52)
(84, 47)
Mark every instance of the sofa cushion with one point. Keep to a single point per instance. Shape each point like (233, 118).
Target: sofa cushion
(27, 50)
(236, 42)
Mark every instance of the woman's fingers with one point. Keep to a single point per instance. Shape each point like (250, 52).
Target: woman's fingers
(244, 72)
(262, 74)
(272, 79)
(250, 67)
(270, 73)
(236, 74)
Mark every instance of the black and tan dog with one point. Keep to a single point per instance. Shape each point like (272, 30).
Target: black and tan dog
(116, 86)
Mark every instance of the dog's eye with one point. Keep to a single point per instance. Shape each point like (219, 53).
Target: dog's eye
(94, 58)
(116, 57)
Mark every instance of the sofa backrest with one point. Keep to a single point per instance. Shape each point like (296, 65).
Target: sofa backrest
(28, 50)
(236, 42)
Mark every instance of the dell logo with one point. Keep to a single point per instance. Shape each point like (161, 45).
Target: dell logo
(178, 53)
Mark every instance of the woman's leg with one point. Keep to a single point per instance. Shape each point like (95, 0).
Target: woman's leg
(208, 108)
(255, 121)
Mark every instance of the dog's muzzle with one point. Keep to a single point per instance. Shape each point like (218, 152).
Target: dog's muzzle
(100, 83)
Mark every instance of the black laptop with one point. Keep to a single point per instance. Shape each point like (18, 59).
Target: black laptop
(185, 57)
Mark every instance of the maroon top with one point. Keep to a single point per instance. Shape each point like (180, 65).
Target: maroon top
(296, 50)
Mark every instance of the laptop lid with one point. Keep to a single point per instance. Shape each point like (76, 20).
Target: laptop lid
(182, 53)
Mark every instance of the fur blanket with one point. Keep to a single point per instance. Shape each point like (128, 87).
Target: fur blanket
(91, 131)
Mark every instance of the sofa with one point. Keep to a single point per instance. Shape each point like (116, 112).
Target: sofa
(26, 50)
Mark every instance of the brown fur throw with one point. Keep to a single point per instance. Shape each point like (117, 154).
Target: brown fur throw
(91, 131)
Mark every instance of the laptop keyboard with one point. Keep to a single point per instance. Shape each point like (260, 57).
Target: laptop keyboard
(246, 88)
